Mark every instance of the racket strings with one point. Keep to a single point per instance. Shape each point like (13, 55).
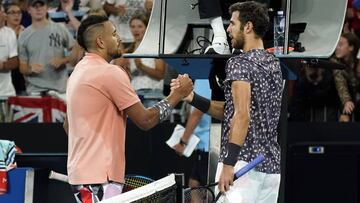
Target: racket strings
(133, 182)
(199, 195)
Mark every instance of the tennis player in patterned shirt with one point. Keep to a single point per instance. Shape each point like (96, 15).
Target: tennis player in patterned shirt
(251, 111)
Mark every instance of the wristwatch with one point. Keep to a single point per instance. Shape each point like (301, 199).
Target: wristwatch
(183, 143)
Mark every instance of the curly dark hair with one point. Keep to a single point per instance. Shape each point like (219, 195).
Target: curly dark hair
(254, 12)
(83, 37)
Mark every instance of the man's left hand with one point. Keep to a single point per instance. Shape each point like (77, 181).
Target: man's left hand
(56, 62)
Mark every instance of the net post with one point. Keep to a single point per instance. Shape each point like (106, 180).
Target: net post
(180, 180)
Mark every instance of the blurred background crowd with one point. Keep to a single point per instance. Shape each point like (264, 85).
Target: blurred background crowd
(38, 51)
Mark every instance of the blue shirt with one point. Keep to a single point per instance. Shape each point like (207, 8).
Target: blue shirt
(202, 87)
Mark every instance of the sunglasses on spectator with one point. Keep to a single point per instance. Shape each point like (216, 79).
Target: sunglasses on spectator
(14, 13)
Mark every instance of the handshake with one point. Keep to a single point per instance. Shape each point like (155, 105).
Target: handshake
(182, 87)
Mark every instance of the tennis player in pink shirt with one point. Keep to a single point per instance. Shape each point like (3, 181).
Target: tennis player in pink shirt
(99, 100)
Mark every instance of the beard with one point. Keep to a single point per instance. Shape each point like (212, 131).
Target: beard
(116, 53)
(238, 41)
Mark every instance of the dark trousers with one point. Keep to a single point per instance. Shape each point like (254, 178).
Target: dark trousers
(200, 167)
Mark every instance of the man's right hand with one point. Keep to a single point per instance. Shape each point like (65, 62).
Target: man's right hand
(349, 107)
(189, 98)
(184, 86)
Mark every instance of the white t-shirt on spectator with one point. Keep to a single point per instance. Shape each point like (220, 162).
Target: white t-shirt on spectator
(142, 81)
(122, 22)
(93, 4)
(8, 49)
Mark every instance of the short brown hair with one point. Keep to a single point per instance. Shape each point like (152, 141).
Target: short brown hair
(254, 12)
(140, 16)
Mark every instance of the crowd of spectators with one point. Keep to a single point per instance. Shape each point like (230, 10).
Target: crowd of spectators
(332, 92)
(38, 51)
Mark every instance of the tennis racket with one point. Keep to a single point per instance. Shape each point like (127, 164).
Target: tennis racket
(135, 181)
(204, 194)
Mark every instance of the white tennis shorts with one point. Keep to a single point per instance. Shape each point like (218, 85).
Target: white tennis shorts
(252, 187)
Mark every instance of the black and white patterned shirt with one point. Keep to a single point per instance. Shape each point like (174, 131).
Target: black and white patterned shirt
(262, 71)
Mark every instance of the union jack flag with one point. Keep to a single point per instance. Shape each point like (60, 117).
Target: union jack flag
(37, 109)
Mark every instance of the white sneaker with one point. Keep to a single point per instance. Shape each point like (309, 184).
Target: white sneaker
(218, 46)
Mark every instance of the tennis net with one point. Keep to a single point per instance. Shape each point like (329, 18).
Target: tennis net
(162, 190)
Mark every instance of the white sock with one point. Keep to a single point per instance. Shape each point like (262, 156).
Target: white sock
(218, 27)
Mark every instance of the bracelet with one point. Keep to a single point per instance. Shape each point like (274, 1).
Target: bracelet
(200, 103)
(164, 109)
(232, 155)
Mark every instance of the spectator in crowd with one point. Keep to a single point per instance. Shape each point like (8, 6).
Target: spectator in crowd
(13, 21)
(26, 18)
(69, 14)
(147, 73)
(148, 7)
(13, 17)
(42, 48)
(198, 124)
(120, 12)
(67, 6)
(315, 97)
(347, 84)
(8, 56)
(8, 60)
(97, 12)
(92, 4)
(352, 20)
(347, 26)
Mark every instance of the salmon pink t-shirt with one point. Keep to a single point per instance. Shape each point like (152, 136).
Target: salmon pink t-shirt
(97, 94)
